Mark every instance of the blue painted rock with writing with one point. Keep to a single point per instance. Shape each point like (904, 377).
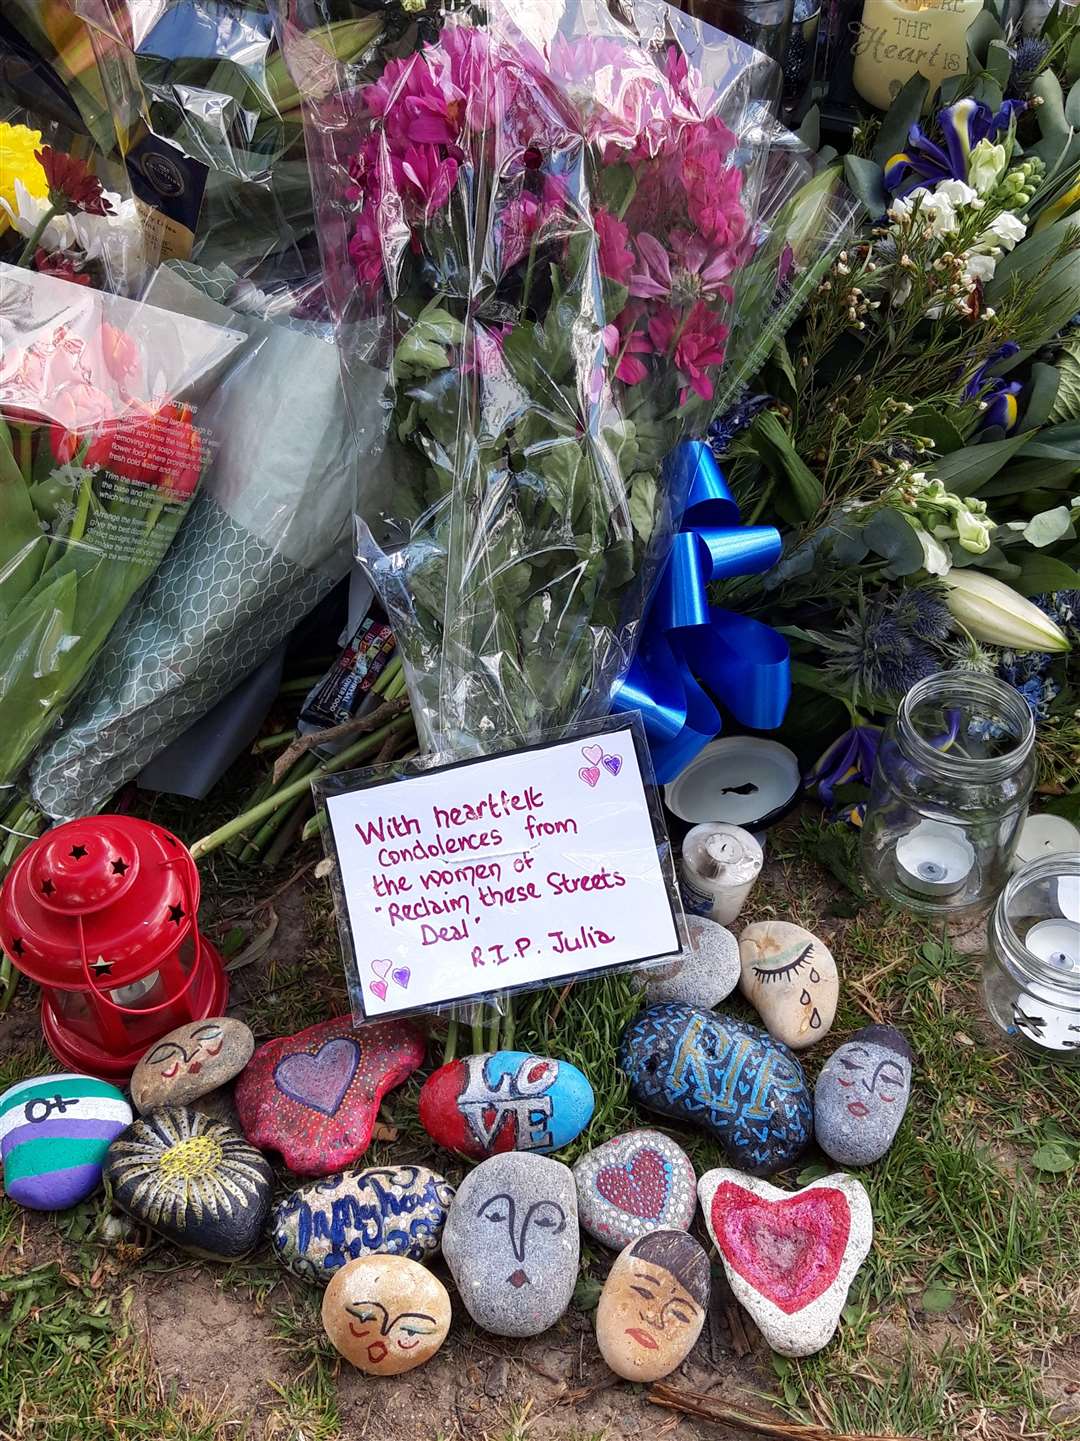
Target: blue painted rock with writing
(505, 1101)
(385, 1211)
(54, 1132)
(731, 1079)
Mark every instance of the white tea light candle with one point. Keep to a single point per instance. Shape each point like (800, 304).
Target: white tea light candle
(1057, 942)
(720, 864)
(895, 39)
(934, 859)
(1045, 835)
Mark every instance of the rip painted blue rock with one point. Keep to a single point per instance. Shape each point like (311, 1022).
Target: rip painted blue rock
(505, 1101)
(381, 1211)
(54, 1133)
(733, 1080)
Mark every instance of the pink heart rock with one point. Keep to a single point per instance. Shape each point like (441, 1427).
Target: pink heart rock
(314, 1096)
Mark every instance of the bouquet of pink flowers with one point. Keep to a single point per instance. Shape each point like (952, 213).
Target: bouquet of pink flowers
(536, 224)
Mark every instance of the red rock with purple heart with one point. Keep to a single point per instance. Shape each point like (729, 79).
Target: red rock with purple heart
(314, 1096)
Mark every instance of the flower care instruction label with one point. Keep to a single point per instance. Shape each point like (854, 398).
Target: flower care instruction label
(517, 870)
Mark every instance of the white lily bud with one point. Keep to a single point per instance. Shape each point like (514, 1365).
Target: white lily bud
(993, 612)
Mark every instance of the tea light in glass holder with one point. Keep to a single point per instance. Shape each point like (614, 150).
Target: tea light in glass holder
(1056, 941)
(934, 859)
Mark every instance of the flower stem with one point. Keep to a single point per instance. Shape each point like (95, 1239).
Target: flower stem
(450, 1044)
(25, 440)
(27, 252)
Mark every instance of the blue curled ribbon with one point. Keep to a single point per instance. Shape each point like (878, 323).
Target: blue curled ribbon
(745, 663)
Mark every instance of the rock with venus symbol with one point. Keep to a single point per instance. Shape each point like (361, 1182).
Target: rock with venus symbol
(314, 1096)
(190, 1062)
(705, 973)
(653, 1305)
(512, 1243)
(730, 1079)
(790, 1256)
(386, 1314)
(790, 979)
(54, 1132)
(505, 1101)
(861, 1095)
(638, 1182)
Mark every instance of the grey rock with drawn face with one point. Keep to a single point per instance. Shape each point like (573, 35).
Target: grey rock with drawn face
(511, 1242)
(861, 1095)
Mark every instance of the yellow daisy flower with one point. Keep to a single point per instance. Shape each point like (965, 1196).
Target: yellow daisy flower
(17, 146)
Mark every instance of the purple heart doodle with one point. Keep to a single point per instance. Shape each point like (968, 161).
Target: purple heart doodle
(320, 1081)
(401, 976)
(612, 764)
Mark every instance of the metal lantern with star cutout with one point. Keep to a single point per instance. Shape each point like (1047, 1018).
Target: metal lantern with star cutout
(102, 913)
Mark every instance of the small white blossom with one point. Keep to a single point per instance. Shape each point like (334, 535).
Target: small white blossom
(1008, 229)
(986, 165)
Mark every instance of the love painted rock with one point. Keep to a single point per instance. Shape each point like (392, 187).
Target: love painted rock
(707, 971)
(387, 1210)
(386, 1314)
(194, 1180)
(54, 1132)
(653, 1305)
(790, 1256)
(190, 1062)
(314, 1096)
(511, 1242)
(861, 1095)
(636, 1183)
(505, 1101)
(790, 979)
(731, 1079)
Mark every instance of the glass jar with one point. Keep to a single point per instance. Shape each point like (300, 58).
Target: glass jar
(1032, 976)
(764, 24)
(952, 781)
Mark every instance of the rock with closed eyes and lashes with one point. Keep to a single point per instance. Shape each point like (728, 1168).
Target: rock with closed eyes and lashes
(790, 978)
(861, 1095)
(386, 1314)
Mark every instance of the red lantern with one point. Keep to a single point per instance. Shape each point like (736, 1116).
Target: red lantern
(102, 914)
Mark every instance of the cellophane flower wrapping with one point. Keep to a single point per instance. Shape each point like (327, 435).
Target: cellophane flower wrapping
(534, 217)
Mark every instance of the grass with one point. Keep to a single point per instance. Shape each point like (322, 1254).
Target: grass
(963, 1324)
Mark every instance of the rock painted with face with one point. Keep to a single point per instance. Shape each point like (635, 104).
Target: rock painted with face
(54, 1133)
(861, 1095)
(790, 978)
(385, 1210)
(314, 1096)
(190, 1062)
(634, 1184)
(511, 1242)
(653, 1305)
(731, 1079)
(790, 1256)
(706, 973)
(505, 1101)
(386, 1314)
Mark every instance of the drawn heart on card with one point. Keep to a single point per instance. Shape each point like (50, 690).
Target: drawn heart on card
(401, 976)
(320, 1081)
(640, 1187)
(612, 764)
(789, 1250)
(590, 775)
(381, 968)
(379, 988)
(593, 754)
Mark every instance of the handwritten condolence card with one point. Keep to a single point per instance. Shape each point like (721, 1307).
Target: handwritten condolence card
(515, 870)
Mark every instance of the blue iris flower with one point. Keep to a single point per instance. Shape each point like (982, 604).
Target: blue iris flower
(962, 125)
(1000, 395)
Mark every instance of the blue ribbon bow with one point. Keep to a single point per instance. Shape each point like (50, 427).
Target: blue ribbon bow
(744, 662)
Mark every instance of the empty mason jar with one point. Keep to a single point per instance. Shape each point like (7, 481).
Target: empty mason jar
(1032, 976)
(950, 790)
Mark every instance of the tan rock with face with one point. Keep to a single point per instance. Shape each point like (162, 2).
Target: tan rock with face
(653, 1305)
(190, 1062)
(386, 1314)
(790, 977)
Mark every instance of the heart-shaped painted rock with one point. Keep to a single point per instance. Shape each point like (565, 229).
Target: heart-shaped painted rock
(505, 1101)
(638, 1182)
(790, 1256)
(314, 1096)
(54, 1132)
(731, 1079)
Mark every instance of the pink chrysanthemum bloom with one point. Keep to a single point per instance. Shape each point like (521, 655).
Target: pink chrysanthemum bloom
(699, 345)
(625, 341)
(616, 257)
(426, 178)
(525, 217)
(471, 63)
(365, 249)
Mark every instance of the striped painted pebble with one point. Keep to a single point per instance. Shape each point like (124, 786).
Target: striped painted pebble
(54, 1132)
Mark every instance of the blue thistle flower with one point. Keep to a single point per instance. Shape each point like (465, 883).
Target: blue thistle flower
(921, 610)
(878, 656)
(1027, 63)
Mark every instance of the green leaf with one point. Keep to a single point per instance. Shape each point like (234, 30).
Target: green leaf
(805, 486)
(939, 429)
(865, 180)
(902, 115)
(1041, 397)
(982, 30)
(1072, 106)
(586, 1294)
(1048, 526)
(1054, 1157)
(1072, 61)
(809, 132)
(999, 61)
(1051, 112)
(892, 535)
(964, 471)
(1040, 573)
(1066, 405)
(938, 1298)
(814, 1172)
(1067, 805)
(781, 358)
(643, 505)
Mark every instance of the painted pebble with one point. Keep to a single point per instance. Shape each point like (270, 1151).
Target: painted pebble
(790, 1256)
(194, 1180)
(861, 1095)
(511, 1242)
(790, 978)
(386, 1314)
(706, 973)
(54, 1132)
(636, 1183)
(731, 1079)
(314, 1096)
(387, 1211)
(505, 1101)
(190, 1062)
(653, 1305)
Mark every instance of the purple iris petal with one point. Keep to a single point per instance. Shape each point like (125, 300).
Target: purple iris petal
(978, 381)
